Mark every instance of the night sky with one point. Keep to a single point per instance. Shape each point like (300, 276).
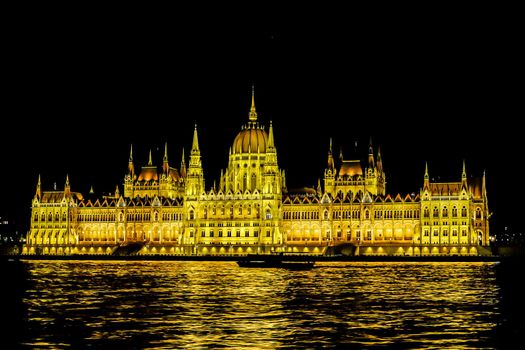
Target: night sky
(441, 88)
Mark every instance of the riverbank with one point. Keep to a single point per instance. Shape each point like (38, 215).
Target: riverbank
(236, 258)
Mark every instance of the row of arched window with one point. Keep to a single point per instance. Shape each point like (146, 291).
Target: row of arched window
(50, 217)
(444, 212)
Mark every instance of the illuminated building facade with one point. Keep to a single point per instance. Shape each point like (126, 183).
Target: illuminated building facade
(169, 211)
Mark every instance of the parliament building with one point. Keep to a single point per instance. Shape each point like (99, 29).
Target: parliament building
(169, 211)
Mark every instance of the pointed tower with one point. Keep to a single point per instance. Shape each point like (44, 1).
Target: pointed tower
(371, 162)
(117, 192)
(130, 177)
(273, 182)
(329, 173)
(131, 167)
(67, 187)
(379, 164)
(464, 176)
(426, 180)
(183, 165)
(150, 162)
(165, 165)
(253, 113)
(38, 193)
(195, 176)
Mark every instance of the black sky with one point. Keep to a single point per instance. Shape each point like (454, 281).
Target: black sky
(441, 86)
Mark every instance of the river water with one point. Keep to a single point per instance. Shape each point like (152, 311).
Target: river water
(199, 305)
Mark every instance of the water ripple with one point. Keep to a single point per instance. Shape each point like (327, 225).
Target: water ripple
(199, 305)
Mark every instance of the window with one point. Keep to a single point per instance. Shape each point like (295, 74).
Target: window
(203, 233)
(192, 215)
(358, 235)
(445, 233)
(454, 212)
(325, 215)
(268, 233)
(229, 233)
(464, 212)
(220, 233)
(256, 234)
(436, 212)
(268, 214)
(240, 210)
(246, 233)
(463, 233)
(436, 233)
(212, 233)
(454, 233)
(369, 235)
(478, 213)
(426, 234)
(367, 214)
(238, 233)
(445, 211)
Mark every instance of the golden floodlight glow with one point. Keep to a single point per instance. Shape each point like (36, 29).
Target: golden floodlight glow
(165, 210)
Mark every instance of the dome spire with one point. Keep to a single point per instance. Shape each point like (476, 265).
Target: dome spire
(253, 112)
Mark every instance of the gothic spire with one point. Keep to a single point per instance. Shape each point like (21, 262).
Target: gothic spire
(67, 187)
(150, 162)
(371, 163)
(195, 144)
(426, 182)
(253, 112)
(131, 167)
(183, 165)
(331, 164)
(165, 165)
(270, 136)
(38, 188)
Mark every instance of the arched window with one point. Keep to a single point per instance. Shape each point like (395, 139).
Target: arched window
(192, 215)
(445, 211)
(325, 215)
(436, 212)
(426, 213)
(205, 213)
(454, 212)
(155, 216)
(244, 182)
(478, 213)
(367, 214)
(464, 212)
(254, 182)
(50, 217)
(268, 214)
(36, 217)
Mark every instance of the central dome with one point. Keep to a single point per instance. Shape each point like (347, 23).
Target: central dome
(252, 139)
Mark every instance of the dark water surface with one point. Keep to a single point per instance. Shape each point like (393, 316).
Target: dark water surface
(164, 305)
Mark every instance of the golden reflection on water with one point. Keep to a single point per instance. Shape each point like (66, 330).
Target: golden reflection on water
(209, 304)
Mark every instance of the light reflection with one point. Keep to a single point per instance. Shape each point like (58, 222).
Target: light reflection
(207, 304)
